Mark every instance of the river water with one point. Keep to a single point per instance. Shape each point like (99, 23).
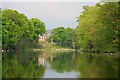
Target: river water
(29, 64)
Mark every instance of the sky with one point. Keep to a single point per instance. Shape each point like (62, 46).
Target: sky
(53, 14)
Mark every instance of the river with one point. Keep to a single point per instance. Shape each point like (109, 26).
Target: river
(46, 64)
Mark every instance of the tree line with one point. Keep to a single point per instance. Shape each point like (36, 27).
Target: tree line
(98, 29)
(20, 32)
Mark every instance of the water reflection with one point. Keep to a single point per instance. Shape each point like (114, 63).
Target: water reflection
(41, 60)
(51, 73)
(86, 65)
(30, 64)
(22, 65)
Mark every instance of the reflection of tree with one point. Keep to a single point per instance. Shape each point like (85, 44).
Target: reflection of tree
(89, 65)
(13, 67)
(97, 66)
(63, 62)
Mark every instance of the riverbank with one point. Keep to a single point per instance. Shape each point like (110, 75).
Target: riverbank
(54, 49)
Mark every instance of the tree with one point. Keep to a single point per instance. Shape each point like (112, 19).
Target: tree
(88, 24)
(63, 36)
(39, 26)
(57, 35)
(69, 37)
(17, 29)
(110, 18)
(15, 26)
(98, 27)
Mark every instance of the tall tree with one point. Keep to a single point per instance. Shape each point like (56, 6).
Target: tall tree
(15, 26)
(17, 29)
(39, 26)
(98, 27)
(63, 36)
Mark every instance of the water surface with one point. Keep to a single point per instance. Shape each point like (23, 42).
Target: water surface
(30, 64)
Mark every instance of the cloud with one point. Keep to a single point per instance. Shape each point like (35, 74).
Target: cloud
(51, 0)
(53, 14)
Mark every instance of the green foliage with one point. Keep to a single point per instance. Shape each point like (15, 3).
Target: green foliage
(39, 26)
(63, 37)
(110, 20)
(98, 27)
(15, 26)
(0, 43)
(17, 29)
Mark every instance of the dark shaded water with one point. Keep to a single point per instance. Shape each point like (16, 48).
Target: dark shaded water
(58, 65)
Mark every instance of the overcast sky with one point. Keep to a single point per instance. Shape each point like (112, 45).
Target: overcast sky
(53, 14)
